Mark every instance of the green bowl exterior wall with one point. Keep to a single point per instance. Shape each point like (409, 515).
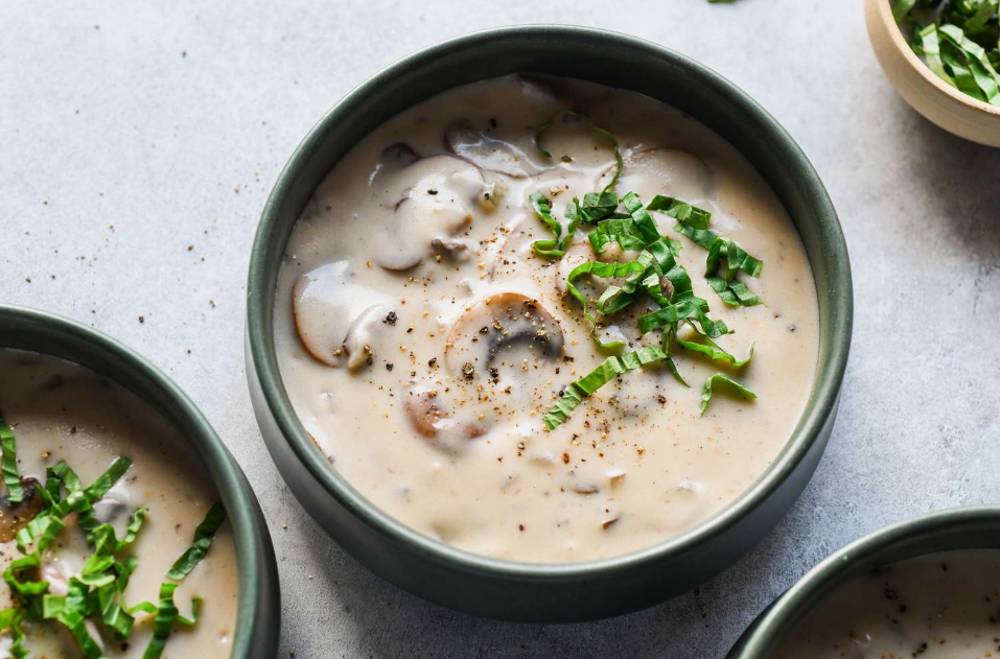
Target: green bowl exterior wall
(521, 591)
(960, 528)
(259, 610)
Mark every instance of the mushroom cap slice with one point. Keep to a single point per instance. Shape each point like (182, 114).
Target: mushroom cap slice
(434, 197)
(324, 302)
(661, 170)
(393, 158)
(366, 336)
(488, 152)
(489, 327)
(15, 516)
(432, 417)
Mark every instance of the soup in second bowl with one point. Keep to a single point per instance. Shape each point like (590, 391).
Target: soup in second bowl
(939, 606)
(111, 538)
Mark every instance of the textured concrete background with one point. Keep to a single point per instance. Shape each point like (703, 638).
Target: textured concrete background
(138, 142)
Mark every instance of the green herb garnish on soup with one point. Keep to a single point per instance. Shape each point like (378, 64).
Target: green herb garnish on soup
(653, 276)
(94, 597)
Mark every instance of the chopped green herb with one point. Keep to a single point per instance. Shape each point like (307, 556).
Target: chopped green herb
(166, 611)
(605, 372)
(11, 477)
(725, 261)
(202, 541)
(727, 383)
(10, 620)
(725, 258)
(959, 40)
(706, 346)
(552, 247)
(652, 275)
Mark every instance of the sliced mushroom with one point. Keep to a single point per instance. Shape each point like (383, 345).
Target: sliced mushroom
(488, 152)
(667, 171)
(538, 87)
(57, 574)
(324, 303)
(15, 516)
(575, 146)
(434, 419)
(510, 246)
(114, 504)
(454, 249)
(432, 198)
(492, 325)
(392, 159)
(366, 335)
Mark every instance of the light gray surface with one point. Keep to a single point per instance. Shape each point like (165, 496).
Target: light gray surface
(138, 143)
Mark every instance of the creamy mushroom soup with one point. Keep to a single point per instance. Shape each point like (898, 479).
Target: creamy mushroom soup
(486, 334)
(940, 606)
(59, 413)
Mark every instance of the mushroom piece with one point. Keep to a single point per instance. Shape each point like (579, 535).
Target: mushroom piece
(539, 88)
(15, 516)
(392, 159)
(496, 323)
(454, 249)
(365, 335)
(510, 246)
(432, 417)
(488, 152)
(114, 504)
(661, 170)
(434, 197)
(325, 302)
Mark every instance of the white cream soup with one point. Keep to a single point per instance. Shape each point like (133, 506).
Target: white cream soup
(939, 606)
(421, 339)
(60, 411)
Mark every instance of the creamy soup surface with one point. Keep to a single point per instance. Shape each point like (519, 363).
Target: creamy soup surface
(60, 411)
(421, 339)
(939, 606)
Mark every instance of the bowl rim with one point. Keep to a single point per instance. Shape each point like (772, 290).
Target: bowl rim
(254, 561)
(819, 408)
(832, 571)
(896, 36)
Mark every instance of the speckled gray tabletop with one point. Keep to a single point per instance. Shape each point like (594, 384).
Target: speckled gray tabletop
(138, 143)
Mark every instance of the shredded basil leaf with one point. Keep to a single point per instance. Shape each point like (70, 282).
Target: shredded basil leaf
(202, 541)
(551, 247)
(11, 476)
(958, 40)
(727, 383)
(606, 371)
(706, 346)
(725, 261)
(725, 258)
(10, 620)
(166, 611)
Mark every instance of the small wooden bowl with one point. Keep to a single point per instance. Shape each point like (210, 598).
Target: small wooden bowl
(926, 93)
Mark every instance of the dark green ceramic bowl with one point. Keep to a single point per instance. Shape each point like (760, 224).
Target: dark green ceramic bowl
(522, 591)
(960, 528)
(258, 616)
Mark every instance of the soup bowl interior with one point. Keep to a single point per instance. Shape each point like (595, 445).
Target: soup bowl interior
(957, 529)
(258, 609)
(509, 589)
